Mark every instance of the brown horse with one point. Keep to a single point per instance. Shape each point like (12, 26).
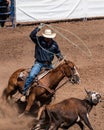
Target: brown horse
(43, 90)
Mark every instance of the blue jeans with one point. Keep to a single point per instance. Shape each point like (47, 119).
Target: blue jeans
(34, 72)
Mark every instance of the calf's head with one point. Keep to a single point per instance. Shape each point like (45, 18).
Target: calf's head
(93, 97)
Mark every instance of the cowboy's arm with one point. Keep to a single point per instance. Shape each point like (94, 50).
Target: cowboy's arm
(58, 53)
(33, 35)
(59, 56)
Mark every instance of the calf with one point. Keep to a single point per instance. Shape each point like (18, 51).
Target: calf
(67, 113)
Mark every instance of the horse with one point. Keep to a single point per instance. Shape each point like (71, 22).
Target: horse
(46, 86)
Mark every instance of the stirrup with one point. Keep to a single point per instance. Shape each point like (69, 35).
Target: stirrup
(23, 98)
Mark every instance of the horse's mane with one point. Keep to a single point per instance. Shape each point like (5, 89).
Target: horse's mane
(58, 66)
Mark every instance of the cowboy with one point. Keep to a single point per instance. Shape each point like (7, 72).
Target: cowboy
(45, 49)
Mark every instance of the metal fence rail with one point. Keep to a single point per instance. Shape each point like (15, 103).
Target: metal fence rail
(11, 13)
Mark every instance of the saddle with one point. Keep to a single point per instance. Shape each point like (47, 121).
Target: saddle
(23, 75)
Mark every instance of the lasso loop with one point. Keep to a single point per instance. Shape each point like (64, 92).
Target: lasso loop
(54, 28)
(90, 54)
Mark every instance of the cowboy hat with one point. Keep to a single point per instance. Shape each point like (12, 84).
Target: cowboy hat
(48, 33)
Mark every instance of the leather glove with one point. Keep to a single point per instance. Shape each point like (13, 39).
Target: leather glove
(41, 25)
(60, 58)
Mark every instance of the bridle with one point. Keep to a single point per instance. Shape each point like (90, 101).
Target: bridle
(69, 78)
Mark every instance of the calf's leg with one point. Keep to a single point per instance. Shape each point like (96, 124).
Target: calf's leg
(86, 121)
(80, 125)
(54, 126)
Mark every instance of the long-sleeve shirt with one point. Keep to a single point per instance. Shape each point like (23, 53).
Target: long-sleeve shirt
(44, 52)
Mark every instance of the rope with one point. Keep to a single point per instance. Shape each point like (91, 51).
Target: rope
(67, 40)
(70, 40)
(53, 93)
(90, 54)
(44, 48)
(62, 84)
(62, 36)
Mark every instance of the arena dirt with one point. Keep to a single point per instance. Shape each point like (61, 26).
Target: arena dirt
(81, 42)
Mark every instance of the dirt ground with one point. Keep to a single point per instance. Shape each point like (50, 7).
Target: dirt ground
(81, 42)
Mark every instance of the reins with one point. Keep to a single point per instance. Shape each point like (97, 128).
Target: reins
(66, 80)
(53, 91)
(51, 94)
(50, 90)
(61, 85)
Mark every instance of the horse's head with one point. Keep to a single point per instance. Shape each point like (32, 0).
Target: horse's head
(70, 70)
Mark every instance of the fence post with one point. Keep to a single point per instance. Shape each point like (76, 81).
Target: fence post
(13, 13)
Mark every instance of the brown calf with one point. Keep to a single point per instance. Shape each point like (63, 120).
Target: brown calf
(67, 113)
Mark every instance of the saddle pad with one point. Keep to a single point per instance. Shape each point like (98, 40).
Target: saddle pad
(43, 74)
(23, 75)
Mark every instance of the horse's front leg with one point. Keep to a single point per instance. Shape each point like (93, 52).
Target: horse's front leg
(30, 101)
